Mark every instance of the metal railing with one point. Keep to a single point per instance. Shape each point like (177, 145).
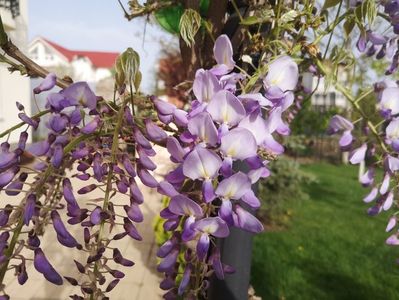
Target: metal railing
(11, 5)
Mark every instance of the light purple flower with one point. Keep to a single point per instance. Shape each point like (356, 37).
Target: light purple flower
(167, 189)
(256, 97)
(258, 173)
(238, 143)
(283, 73)
(376, 38)
(392, 240)
(362, 42)
(257, 126)
(213, 226)
(91, 126)
(184, 206)
(32, 122)
(338, 123)
(358, 155)
(39, 148)
(247, 221)
(234, 187)
(7, 159)
(391, 164)
(226, 108)
(392, 134)
(391, 224)
(371, 196)
(164, 107)
(134, 213)
(346, 140)
(388, 201)
(201, 163)
(175, 150)
(131, 230)
(81, 92)
(185, 279)
(146, 178)
(367, 178)
(385, 184)
(47, 84)
(205, 85)
(389, 103)
(58, 154)
(168, 261)
(145, 161)
(275, 123)
(154, 132)
(223, 53)
(202, 126)
(58, 123)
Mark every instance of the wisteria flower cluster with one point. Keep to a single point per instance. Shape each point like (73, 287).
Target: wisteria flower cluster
(379, 149)
(224, 146)
(84, 134)
(220, 147)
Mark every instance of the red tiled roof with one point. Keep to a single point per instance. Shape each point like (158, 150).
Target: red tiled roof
(98, 59)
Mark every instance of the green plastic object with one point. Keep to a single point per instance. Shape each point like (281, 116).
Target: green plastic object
(169, 17)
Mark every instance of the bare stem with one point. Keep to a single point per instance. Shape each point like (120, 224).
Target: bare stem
(145, 9)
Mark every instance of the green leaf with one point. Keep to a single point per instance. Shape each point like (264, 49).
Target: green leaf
(288, 17)
(330, 3)
(360, 13)
(348, 26)
(169, 18)
(127, 66)
(371, 10)
(259, 17)
(204, 6)
(250, 20)
(190, 23)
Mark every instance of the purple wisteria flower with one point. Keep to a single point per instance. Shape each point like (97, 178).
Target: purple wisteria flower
(339, 124)
(222, 127)
(47, 84)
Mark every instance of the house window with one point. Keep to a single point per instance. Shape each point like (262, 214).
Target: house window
(332, 99)
(34, 54)
(12, 6)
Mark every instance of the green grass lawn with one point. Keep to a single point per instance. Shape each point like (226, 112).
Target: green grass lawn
(331, 249)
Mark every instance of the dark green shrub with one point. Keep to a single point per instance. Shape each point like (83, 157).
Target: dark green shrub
(285, 184)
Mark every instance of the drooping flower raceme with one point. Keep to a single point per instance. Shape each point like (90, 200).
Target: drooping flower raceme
(223, 128)
(109, 146)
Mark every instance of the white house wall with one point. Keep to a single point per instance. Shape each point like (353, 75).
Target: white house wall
(45, 56)
(102, 73)
(83, 70)
(14, 87)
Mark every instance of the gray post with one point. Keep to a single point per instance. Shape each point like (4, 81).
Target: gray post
(236, 250)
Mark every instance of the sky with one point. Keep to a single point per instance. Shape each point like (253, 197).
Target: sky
(99, 25)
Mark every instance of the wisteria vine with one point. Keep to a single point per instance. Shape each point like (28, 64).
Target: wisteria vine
(219, 146)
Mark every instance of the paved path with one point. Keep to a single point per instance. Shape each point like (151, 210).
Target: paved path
(141, 281)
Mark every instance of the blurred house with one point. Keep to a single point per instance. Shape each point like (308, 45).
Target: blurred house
(14, 87)
(94, 67)
(90, 66)
(326, 96)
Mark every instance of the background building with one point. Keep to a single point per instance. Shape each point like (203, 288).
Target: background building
(14, 87)
(90, 66)
(325, 97)
(94, 67)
